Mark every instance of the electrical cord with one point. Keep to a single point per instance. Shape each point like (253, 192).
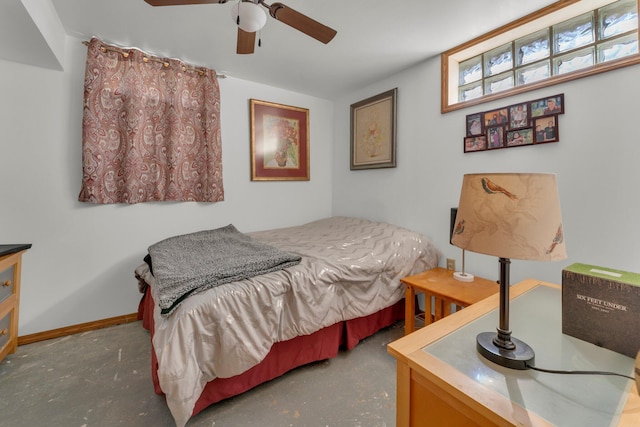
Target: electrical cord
(554, 371)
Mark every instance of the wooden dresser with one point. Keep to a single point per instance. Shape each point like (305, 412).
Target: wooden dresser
(443, 381)
(10, 266)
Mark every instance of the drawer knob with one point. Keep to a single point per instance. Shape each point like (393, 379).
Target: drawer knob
(6, 283)
(5, 331)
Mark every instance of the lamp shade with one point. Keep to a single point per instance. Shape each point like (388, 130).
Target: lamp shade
(510, 215)
(251, 16)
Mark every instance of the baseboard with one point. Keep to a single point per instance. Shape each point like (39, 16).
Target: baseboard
(74, 329)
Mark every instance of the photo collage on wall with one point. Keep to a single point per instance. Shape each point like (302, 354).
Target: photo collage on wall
(526, 123)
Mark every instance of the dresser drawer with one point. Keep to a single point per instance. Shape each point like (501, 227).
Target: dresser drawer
(7, 284)
(5, 330)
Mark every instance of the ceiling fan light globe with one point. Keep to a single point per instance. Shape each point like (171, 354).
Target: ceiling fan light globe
(252, 17)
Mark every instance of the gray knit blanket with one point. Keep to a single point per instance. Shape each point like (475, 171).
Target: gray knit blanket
(191, 263)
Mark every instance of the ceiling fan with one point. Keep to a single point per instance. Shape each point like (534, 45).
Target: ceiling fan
(250, 18)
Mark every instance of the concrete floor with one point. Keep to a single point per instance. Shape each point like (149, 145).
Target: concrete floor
(103, 378)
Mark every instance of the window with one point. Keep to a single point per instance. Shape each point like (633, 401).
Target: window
(564, 41)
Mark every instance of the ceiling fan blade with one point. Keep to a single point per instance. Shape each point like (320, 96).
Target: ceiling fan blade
(246, 41)
(181, 2)
(302, 23)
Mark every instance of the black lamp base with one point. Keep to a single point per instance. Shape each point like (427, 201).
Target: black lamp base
(517, 358)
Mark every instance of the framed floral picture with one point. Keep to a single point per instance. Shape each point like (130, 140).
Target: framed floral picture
(279, 142)
(373, 132)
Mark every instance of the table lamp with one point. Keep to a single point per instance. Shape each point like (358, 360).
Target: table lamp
(511, 216)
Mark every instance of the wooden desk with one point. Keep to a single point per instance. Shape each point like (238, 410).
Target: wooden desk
(440, 284)
(434, 391)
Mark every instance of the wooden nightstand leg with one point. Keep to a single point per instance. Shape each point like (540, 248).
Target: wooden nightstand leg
(409, 310)
(427, 309)
(437, 312)
(446, 308)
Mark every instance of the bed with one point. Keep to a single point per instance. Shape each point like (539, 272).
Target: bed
(222, 341)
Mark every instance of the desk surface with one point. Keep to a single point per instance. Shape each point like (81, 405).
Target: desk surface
(445, 352)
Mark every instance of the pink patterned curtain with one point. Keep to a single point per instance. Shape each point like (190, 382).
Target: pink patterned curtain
(150, 129)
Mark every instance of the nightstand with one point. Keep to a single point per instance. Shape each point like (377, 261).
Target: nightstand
(10, 264)
(445, 290)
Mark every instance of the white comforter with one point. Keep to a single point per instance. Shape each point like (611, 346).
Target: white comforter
(350, 268)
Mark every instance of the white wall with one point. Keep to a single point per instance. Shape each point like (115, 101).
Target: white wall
(596, 162)
(80, 268)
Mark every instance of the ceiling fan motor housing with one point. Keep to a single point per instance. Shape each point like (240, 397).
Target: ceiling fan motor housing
(249, 16)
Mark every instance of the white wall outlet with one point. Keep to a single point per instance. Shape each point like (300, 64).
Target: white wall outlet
(451, 264)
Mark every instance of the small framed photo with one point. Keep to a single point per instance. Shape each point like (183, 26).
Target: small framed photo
(548, 106)
(279, 142)
(495, 137)
(475, 143)
(475, 124)
(496, 117)
(373, 132)
(546, 129)
(519, 116)
(518, 137)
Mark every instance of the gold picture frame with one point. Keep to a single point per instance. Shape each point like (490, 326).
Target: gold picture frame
(279, 142)
(373, 132)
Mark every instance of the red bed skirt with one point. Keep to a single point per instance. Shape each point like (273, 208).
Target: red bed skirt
(283, 356)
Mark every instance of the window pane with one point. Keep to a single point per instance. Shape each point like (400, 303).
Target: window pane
(469, 92)
(618, 48)
(498, 83)
(532, 47)
(498, 60)
(617, 18)
(470, 70)
(574, 61)
(573, 33)
(525, 59)
(533, 73)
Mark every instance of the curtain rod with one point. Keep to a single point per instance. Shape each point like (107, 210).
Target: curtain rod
(124, 53)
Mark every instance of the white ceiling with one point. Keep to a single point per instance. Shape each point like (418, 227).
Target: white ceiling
(375, 38)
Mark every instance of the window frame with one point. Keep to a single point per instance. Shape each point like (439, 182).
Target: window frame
(545, 17)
